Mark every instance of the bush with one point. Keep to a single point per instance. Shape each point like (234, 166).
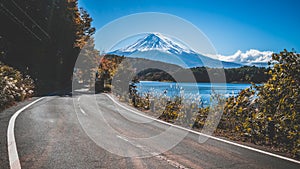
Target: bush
(13, 86)
(273, 116)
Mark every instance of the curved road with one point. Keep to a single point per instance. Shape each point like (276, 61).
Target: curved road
(50, 134)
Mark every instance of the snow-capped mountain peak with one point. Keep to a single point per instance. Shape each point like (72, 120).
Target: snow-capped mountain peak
(156, 41)
(155, 46)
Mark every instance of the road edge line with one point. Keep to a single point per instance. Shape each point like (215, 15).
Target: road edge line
(13, 156)
(209, 136)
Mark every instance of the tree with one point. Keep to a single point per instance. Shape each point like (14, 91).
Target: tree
(87, 63)
(44, 38)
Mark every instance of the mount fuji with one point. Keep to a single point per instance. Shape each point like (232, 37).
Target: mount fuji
(155, 46)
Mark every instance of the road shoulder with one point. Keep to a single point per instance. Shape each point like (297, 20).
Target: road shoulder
(5, 116)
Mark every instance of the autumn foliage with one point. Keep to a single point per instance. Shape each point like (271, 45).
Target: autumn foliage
(13, 86)
(272, 117)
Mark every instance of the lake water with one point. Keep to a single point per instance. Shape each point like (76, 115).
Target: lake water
(194, 92)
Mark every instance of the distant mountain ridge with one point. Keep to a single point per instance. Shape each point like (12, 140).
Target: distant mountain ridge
(157, 47)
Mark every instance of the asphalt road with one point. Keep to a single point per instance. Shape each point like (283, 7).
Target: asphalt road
(91, 131)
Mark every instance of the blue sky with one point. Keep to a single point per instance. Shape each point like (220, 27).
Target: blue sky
(230, 25)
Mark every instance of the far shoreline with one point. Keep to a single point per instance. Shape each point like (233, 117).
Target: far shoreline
(235, 82)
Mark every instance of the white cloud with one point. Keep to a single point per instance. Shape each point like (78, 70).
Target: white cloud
(248, 57)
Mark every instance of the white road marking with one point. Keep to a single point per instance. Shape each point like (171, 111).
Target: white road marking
(205, 135)
(171, 162)
(13, 156)
(82, 111)
(157, 155)
(154, 154)
(123, 138)
(139, 146)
